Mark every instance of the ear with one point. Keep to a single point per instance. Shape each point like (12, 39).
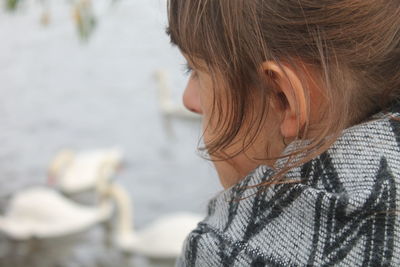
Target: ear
(291, 95)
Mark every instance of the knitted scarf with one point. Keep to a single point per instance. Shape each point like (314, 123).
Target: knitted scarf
(342, 213)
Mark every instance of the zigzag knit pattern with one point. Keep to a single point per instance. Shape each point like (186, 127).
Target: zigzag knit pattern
(343, 213)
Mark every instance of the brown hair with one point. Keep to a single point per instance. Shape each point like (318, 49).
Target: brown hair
(354, 45)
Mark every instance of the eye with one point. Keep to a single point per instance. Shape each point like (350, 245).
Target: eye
(188, 70)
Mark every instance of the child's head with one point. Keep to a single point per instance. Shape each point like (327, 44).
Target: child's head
(272, 71)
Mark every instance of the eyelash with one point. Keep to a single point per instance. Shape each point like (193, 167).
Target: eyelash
(187, 69)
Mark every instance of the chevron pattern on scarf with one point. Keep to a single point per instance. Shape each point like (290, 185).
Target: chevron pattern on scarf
(343, 212)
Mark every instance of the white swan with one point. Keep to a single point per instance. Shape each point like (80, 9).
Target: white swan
(168, 108)
(163, 238)
(43, 213)
(40, 215)
(77, 172)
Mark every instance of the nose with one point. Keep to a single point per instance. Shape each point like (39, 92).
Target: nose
(191, 98)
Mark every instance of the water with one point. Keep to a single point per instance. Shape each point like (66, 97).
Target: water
(58, 92)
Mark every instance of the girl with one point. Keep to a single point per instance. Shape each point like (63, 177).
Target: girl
(300, 118)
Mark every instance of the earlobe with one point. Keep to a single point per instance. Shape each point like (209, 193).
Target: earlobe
(290, 96)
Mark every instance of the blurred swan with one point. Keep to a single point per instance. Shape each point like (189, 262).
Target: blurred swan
(168, 108)
(77, 172)
(43, 213)
(40, 222)
(163, 238)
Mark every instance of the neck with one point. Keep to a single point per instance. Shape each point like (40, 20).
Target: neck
(124, 209)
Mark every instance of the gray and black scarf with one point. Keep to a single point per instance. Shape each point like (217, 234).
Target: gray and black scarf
(343, 212)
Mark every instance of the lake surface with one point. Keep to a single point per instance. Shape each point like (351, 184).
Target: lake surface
(58, 92)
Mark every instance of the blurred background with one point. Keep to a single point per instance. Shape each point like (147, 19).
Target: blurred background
(84, 75)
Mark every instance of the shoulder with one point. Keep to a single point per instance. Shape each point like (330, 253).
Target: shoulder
(342, 213)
